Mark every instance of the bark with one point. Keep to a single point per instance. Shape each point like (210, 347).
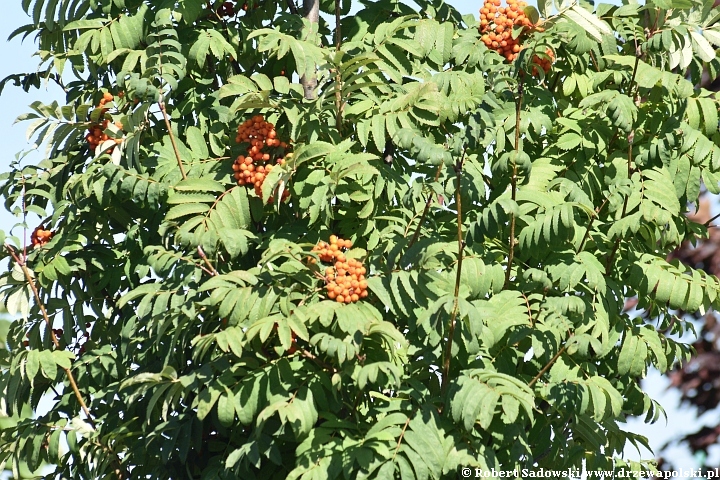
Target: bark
(311, 11)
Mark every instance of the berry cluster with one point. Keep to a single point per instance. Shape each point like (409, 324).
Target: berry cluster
(496, 25)
(545, 62)
(40, 236)
(251, 169)
(96, 134)
(345, 281)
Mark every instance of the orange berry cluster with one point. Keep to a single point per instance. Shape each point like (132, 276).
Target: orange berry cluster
(96, 134)
(345, 281)
(496, 25)
(544, 63)
(253, 168)
(40, 236)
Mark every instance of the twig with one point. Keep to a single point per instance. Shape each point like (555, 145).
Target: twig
(456, 301)
(212, 271)
(291, 6)
(590, 224)
(425, 211)
(338, 73)
(513, 182)
(547, 367)
(161, 104)
(53, 337)
(314, 358)
(611, 257)
(402, 434)
(25, 228)
(709, 222)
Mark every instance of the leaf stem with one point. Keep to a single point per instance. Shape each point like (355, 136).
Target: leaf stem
(161, 104)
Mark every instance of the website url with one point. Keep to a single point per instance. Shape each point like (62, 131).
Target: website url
(468, 472)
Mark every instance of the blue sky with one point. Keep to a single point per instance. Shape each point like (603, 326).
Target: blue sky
(16, 57)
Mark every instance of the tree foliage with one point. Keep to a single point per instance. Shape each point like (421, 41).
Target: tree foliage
(504, 214)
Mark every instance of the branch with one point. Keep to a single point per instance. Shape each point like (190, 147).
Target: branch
(456, 301)
(513, 182)
(709, 222)
(53, 337)
(211, 270)
(312, 14)
(338, 73)
(547, 367)
(314, 358)
(425, 211)
(611, 257)
(590, 224)
(161, 104)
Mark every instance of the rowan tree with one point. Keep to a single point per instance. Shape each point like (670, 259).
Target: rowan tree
(391, 243)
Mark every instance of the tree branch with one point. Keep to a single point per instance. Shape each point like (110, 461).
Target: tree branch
(338, 73)
(547, 367)
(311, 10)
(425, 211)
(53, 337)
(456, 301)
(513, 182)
(161, 104)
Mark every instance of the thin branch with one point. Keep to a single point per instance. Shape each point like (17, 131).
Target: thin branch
(590, 224)
(291, 6)
(425, 211)
(25, 228)
(513, 182)
(402, 434)
(456, 301)
(611, 257)
(53, 337)
(161, 104)
(709, 222)
(547, 367)
(338, 74)
(210, 267)
(314, 358)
